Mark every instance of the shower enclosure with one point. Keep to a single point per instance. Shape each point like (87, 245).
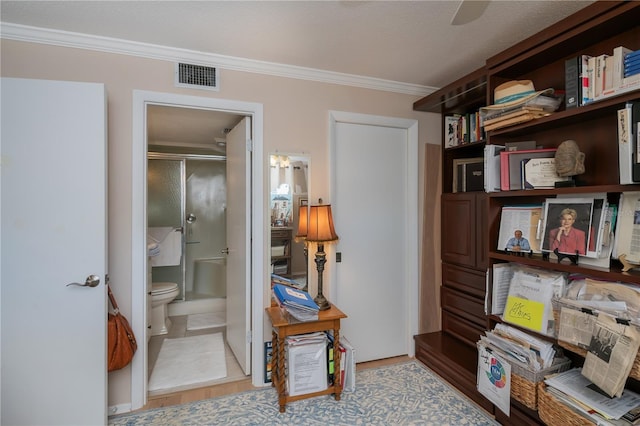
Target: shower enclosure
(188, 192)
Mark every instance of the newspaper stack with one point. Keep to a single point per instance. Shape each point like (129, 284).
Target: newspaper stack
(536, 353)
(582, 397)
(295, 302)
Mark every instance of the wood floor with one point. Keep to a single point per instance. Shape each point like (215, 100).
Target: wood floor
(237, 386)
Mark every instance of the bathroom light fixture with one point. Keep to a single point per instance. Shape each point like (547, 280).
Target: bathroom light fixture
(321, 231)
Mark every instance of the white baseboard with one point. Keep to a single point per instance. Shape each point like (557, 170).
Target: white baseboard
(118, 409)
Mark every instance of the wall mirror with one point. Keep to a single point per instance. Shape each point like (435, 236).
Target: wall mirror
(288, 192)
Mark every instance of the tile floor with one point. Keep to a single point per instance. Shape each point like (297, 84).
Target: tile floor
(179, 329)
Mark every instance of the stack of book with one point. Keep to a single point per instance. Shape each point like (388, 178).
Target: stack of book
(631, 64)
(295, 302)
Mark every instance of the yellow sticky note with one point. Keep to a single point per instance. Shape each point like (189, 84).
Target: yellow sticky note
(525, 313)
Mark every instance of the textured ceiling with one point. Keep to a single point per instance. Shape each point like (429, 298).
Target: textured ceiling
(402, 41)
(405, 41)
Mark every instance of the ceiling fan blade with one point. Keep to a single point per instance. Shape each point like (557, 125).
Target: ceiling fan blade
(469, 10)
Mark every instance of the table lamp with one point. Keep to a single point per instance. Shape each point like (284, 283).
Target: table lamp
(321, 231)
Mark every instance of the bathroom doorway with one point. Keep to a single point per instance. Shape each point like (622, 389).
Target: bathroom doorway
(187, 195)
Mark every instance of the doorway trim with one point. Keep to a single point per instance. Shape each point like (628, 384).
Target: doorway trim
(411, 209)
(138, 232)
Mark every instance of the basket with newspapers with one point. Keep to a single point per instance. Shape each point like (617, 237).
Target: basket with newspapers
(530, 358)
(599, 321)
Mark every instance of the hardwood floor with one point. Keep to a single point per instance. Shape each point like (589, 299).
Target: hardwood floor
(192, 395)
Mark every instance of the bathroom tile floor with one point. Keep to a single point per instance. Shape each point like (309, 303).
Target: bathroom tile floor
(179, 329)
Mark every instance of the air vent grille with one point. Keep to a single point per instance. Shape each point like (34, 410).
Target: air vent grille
(196, 76)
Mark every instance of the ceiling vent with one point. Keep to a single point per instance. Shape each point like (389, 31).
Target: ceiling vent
(196, 77)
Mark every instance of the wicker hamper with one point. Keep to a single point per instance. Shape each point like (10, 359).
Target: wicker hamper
(554, 413)
(524, 382)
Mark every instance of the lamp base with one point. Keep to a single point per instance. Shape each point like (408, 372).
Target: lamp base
(322, 302)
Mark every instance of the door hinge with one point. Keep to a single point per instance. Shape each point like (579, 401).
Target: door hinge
(249, 337)
(250, 145)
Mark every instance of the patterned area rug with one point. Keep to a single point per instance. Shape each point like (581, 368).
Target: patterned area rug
(401, 394)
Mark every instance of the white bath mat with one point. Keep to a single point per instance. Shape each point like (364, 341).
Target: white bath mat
(208, 320)
(187, 361)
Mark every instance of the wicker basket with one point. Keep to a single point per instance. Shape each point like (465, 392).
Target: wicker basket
(524, 381)
(635, 368)
(554, 413)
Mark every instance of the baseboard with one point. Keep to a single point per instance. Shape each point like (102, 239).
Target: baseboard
(118, 409)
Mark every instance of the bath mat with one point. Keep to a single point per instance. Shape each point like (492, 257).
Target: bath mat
(208, 320)
(187, 361)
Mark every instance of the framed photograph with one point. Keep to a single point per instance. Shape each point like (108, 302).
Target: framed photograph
(519, 229)
(468, 174)
(567, 225)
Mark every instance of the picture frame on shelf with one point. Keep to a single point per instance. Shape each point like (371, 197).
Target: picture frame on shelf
(572, 217)
(468, 174)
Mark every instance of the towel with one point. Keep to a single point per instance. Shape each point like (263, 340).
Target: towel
(169, 242)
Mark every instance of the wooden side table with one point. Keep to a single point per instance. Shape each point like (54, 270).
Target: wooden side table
(281, 328)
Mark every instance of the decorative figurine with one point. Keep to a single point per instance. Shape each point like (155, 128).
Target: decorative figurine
(569, 160)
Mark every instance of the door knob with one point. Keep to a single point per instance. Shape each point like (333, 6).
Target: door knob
(91, 281)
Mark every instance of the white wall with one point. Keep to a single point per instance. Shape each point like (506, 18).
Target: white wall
(295, 120)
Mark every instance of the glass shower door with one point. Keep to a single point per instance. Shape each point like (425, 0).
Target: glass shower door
(165, 201)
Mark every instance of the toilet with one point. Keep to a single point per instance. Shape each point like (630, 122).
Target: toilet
(162, 293)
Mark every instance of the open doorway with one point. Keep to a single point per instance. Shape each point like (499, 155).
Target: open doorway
(255, 220)
(187, 196)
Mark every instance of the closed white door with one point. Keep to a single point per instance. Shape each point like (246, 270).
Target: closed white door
(374, 201)
(53, 198)
(239, 251)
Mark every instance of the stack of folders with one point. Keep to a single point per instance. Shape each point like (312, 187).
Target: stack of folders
(296, 303)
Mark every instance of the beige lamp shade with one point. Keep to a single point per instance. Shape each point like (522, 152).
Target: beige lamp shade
(321, 224)
(303, 222)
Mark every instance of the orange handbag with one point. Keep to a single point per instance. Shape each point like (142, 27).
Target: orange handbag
(122, 343)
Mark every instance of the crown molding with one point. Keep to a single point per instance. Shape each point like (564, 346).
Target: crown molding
(125, 47)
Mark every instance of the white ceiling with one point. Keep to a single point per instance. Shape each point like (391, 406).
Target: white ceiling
(400, 41)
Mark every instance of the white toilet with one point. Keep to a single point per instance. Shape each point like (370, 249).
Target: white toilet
(162, 294)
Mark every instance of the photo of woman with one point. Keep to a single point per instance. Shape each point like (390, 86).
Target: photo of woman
(567, 226)
(566, 238)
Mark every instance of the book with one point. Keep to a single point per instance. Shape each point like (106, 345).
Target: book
(572, 82)
(632, 56)
(625, 146)
(492, 167)
(451, 125)
(295, 302)
(599, 74)
(591, 74)
(618, 65)
(349, 382)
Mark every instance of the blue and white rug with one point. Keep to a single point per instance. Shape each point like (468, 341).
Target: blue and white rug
(401, 394)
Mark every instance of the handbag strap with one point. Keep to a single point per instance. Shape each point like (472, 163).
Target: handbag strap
(112, 299)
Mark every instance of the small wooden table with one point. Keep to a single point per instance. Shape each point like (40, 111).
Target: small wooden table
(281, 328)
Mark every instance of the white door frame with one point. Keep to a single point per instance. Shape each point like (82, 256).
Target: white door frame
(411, 210)
(138, 227)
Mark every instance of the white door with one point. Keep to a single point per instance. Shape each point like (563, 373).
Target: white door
(374, 202)
(53, 228)
(239, 252)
